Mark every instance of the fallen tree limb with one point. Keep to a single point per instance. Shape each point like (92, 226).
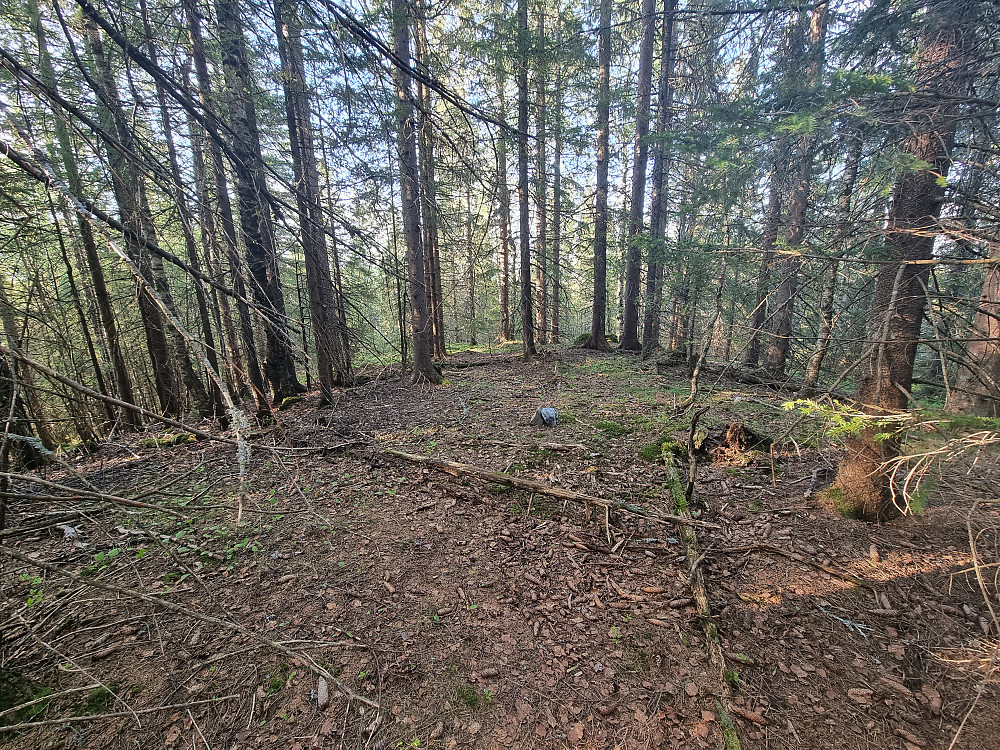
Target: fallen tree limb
(457, 469)
(760, 377)
(307, 660)
(79, 494)
(797, 558)
(95, 717)
(682, 497)
(464, 365)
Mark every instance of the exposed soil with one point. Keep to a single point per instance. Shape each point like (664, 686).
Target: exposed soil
(475, 615)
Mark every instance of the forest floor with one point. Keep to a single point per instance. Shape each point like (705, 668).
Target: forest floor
(476, 615)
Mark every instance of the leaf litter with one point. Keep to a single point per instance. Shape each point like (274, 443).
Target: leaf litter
(479, 615)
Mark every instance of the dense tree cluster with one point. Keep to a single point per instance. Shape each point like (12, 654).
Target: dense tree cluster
(211, 203)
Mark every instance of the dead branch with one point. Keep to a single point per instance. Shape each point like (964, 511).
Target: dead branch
(50, 373)
(78, 494)
(457, 469)
(797, 558)
(308, 661)
(113, 715)
(696, 580)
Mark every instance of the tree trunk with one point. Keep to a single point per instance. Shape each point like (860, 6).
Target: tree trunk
(32, 420)
(220, 309)
(130, 195)
(527, 324)
(215, 403)
(225, 211)
(428, 187)
(863, 488)
(977, 388)
(637, 204)
(776, 358)
(504, 198)
(659, 197)
(828, 295)
(333, 365)
(769, 236)
(598, 323)
(470, 259)
(556, 273)
(68, 159)
(409, 179)
(251, 190)
(541, 185)
(82, 318)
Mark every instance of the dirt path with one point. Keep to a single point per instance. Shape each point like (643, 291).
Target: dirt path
(482, 616)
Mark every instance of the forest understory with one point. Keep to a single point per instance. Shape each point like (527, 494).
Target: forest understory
(462, 613)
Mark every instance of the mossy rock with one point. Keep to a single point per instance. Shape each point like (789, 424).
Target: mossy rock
(288, 402)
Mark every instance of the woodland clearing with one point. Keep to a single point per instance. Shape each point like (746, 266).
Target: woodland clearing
(468, 614)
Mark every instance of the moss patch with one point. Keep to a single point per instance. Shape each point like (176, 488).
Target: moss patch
(835, 496)
(611, 429)
(289, 401)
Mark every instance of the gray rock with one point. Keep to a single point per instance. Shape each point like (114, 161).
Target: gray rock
(545, 415)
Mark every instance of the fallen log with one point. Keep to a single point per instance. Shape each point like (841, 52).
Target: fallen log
(458, 469)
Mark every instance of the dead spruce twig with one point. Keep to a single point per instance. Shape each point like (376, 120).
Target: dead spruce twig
(458, 469)
(307, 660)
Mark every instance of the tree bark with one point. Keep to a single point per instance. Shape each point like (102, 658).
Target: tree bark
(503, 193)
(105, 309)
(659, 197)
(541, 185)
(863, 488)
(251, 190)
(253, 371)
(470, 261)
(527, 324)
(637, 204)
(828, 294)
(599, 320)
(776, 358)
(977, 388)
(557, 197)
(769, 236)
(428, 187)
(215, 402)
(333, 365)
(133, 208)
(409, 178)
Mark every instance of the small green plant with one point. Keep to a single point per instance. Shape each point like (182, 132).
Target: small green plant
(615, 634)
(35, 593)
(468, 695)
(732, 678)
(843, 423)
(102, 560)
